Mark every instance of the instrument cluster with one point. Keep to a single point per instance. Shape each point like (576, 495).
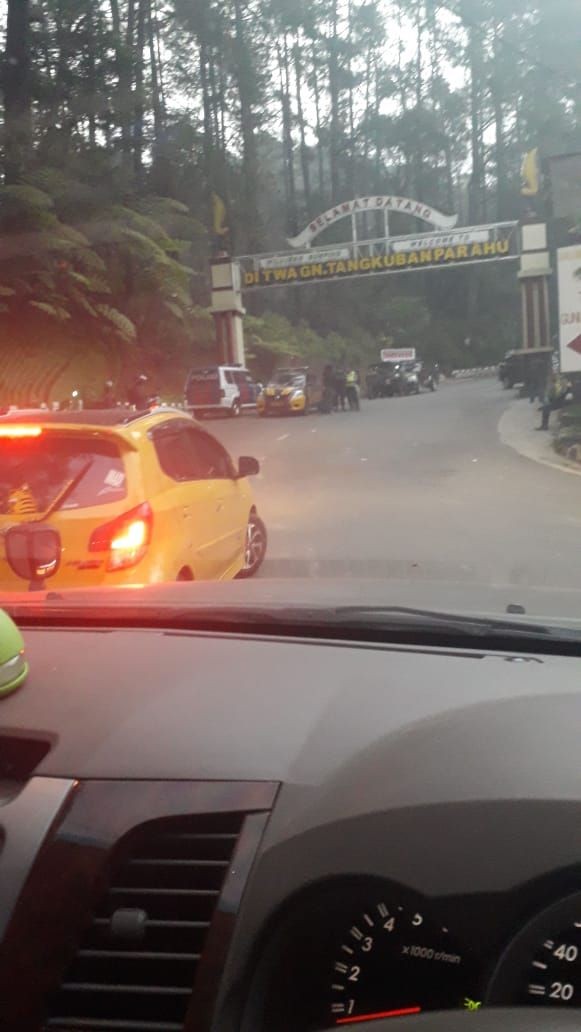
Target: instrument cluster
(351, 951)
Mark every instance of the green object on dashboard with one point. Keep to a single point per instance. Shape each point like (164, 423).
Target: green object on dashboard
(13, 665)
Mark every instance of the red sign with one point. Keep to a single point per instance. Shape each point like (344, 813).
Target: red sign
(398, 354)
(575, 344)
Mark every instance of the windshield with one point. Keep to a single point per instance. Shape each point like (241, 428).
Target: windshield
(286, 378)
(293, 291)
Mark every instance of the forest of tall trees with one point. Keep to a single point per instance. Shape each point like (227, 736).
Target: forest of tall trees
(121, 119)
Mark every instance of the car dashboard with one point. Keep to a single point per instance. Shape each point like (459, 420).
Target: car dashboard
(255, 834)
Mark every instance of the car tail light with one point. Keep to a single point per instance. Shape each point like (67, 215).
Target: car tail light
(19, 431)
(125, 538)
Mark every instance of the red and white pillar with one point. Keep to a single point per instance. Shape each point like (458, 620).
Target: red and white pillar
(535, 270)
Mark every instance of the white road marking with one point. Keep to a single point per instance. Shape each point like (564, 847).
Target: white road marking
(283, 437)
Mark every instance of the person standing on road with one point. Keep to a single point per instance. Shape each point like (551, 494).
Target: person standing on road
(548, 399)
(328, 399)
(340, 389)
(352, 388)
(139, 392)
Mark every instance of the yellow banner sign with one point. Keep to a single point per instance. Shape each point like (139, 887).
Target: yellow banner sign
(392, 255)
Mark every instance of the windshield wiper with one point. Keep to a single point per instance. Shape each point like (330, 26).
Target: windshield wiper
(433, 619)
(378, 624)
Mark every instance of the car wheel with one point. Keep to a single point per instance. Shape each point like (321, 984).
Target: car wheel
(234, 412)
(255, 550)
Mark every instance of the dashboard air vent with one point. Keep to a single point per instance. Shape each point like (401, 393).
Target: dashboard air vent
(136, 964)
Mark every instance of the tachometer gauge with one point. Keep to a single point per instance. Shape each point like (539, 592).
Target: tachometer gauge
(394, 961)
(542, 965)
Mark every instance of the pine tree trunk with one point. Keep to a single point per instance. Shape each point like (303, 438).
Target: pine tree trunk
(476, 186)
(318, 127)
(123, 64)
(500, 143)
(156, 97)
(301, 117)
(289, 149)
(91, 76)
(352, 152)
(244, 74)
(17, 91)
(139, 91)
(334, 96)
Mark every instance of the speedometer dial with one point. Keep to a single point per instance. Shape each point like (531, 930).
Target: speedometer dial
(394, 961)
(542, 966)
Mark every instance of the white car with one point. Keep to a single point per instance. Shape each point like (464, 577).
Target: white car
(220, 388)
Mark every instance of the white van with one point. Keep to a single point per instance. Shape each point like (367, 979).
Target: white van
(220, 388)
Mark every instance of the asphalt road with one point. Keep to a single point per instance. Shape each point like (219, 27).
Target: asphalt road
(414, 488)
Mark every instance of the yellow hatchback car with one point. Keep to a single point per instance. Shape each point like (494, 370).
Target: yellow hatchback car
(135, 498)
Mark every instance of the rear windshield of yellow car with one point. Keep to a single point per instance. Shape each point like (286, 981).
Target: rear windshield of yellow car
(73, 472)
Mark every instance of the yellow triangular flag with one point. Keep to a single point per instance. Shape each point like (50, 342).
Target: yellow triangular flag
(530, 174)
(219, 211)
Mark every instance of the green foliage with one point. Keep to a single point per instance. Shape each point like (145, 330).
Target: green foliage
(120, 323)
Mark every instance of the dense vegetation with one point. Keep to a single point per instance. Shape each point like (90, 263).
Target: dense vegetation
(121, 119)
